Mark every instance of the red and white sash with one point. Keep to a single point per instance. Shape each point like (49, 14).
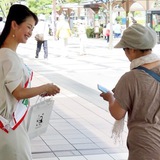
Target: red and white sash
(19, 114)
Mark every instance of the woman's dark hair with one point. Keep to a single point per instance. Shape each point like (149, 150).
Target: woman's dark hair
(17, 13)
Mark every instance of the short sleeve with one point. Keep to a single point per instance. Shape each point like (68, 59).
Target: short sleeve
(124, 90)
(13, 72)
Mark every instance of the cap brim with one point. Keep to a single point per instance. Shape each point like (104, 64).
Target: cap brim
(120, 44)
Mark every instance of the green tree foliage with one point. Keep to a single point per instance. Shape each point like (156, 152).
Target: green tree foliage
(157, 3)
(41, 6)
(5, 5)
(73, 1)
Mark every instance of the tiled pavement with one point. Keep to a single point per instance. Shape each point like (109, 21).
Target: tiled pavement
(80, 124)
(78, 130)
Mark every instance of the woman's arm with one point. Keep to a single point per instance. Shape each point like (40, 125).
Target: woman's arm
(114, 107)
(47, 89)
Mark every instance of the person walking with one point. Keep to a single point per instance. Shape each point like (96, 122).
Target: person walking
(108, 31)
(137, 93)
(117, 30)
(82, 37)
(42, 31)
(62, 34)
(15, 79)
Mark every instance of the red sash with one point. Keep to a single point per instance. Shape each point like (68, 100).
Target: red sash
(19, 114)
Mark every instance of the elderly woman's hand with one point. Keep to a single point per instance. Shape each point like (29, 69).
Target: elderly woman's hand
(107, 96)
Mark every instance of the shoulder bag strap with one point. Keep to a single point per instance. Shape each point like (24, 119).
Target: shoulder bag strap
(153, 74)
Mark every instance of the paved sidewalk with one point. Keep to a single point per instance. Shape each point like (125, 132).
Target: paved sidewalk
(78, 130)
(80, 124)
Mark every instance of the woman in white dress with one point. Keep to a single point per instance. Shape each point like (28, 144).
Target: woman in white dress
(15, 78)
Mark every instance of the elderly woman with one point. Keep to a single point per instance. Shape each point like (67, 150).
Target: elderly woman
(138, 94)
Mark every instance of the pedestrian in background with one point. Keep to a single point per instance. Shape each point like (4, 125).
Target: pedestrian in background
(15, 91)
(137, 93)
(108, 31)
(63, 33)
(42, 29)
(117, 29)
(82, 37)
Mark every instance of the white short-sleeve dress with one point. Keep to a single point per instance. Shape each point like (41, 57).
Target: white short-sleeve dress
(14, 145)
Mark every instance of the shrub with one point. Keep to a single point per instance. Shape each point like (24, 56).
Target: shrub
(90, 32)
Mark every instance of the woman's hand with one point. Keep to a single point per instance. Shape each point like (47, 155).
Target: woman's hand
(115, 108)
(107, 96)
(48, 89)
(51, 90)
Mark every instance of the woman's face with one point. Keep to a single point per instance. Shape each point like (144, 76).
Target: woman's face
(24, 30)
(127, 53)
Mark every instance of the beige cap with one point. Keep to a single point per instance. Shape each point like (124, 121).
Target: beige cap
(138, 37)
